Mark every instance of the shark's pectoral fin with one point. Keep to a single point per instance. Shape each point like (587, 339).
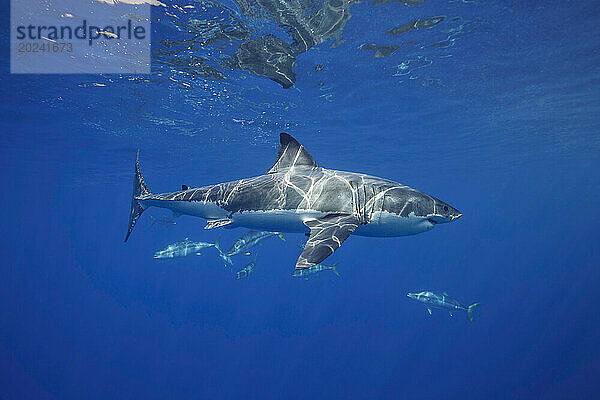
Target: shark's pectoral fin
(326, 235)
(216, 223)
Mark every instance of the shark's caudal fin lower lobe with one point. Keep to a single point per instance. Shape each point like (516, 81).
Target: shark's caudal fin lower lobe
(139, 188)
(470, 311)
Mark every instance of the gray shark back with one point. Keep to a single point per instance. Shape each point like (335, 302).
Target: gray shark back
(317, 189)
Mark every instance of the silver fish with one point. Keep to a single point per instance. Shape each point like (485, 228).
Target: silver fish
(183, 248)
(442, 301)
(315, 269)
(249, 240)
(245, 243)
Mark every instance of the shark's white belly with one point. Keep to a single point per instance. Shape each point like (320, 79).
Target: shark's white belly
(383, 224)
(275, 220)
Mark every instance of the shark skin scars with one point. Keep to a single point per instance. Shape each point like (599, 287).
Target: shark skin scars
(298, 196)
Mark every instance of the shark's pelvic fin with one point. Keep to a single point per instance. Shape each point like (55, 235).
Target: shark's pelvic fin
(291, 154)
(326, 235)
(139, 189)
(216, 223)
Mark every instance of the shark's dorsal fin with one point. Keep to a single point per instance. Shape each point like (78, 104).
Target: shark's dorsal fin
(291, 154)
(445, 293)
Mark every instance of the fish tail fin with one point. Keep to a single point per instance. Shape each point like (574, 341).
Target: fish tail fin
(470, 311)
(224, 256)
(281, 236)
(334, 269)
(139, 189)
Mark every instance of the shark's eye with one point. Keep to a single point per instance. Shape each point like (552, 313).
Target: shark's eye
(445, 208)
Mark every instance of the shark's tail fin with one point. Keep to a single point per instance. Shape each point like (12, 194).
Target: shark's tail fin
(334, 269)
(224, 256)
(139, 189)
(281, 236)
(470, 311)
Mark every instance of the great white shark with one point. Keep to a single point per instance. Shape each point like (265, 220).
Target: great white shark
(298, 196)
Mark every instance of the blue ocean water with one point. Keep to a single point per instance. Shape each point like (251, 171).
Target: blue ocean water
(501, 119)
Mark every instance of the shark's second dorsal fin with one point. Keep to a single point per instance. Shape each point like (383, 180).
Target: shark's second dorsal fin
(291, 154)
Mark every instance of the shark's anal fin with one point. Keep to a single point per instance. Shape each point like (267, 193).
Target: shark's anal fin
(326, 235)
(216, 223)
